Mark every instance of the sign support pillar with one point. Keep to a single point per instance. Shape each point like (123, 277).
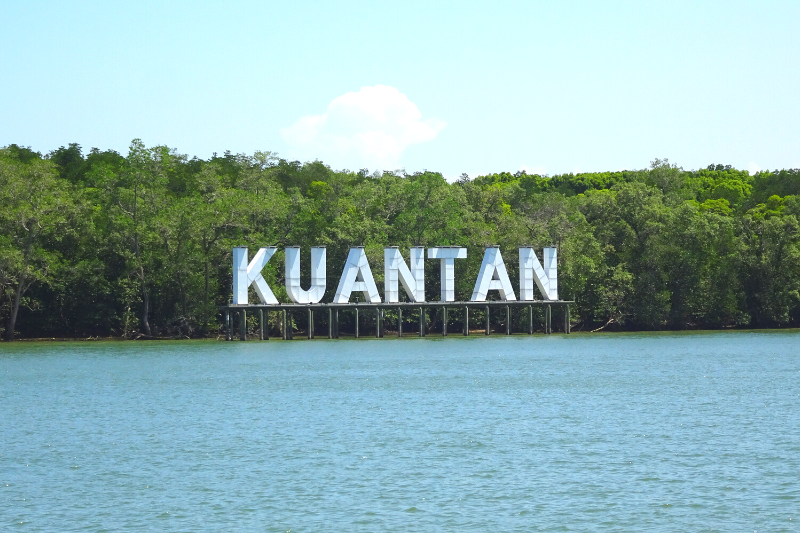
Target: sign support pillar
(548, 323)
(399, 321)
(530, 320)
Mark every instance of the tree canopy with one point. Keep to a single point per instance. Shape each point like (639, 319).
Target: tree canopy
(104, 244)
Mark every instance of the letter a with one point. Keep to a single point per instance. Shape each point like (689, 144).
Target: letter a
(356, 276)
(245, 275)
(493, 276)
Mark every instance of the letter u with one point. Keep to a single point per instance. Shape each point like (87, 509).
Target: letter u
(318, 277)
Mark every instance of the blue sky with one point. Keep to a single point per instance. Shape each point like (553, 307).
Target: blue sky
(455, 87)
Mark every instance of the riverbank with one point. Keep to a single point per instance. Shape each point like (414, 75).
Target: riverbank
(302, 336)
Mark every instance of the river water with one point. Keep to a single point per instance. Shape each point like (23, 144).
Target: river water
(623, 432)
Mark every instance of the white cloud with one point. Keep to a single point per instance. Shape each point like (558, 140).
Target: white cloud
(369, 128)
(752, 168)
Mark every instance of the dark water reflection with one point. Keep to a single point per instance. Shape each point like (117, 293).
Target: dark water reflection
(694, 432)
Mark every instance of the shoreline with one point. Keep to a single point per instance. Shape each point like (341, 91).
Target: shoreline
(478, 333)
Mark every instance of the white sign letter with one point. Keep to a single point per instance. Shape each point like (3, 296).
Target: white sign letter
(447, 256)
(531, 271)
(317, 290)
(493, 275)
(395, 269)
(245, 275)
(356, 276)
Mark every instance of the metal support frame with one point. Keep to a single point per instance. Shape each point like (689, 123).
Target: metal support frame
(235, 317)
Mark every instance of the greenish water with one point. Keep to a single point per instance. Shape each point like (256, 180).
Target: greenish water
(631, 432)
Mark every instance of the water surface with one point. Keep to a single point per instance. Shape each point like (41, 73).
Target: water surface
(629, 432)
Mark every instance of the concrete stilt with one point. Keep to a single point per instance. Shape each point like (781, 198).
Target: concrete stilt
(508, 320)
(399, 321)
(530, 320)
(378, 324)
(310, 324)
(444, 322)
(548, 323)
(356, 322)
(488, 325)
(466, 320)
(242, 325)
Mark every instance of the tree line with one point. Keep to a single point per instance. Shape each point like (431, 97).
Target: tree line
(99, 244)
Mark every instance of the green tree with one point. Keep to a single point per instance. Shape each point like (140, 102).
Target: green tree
(134, 199)
(34, 206)
(770, 263)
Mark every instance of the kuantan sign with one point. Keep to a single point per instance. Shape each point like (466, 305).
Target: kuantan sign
(357, 276)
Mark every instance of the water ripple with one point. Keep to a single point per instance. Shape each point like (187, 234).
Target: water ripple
(626, 432)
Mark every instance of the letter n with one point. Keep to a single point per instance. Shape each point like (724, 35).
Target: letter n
(531, 272)
(396, 271)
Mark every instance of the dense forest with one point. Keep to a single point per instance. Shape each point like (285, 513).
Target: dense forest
(102, 244)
